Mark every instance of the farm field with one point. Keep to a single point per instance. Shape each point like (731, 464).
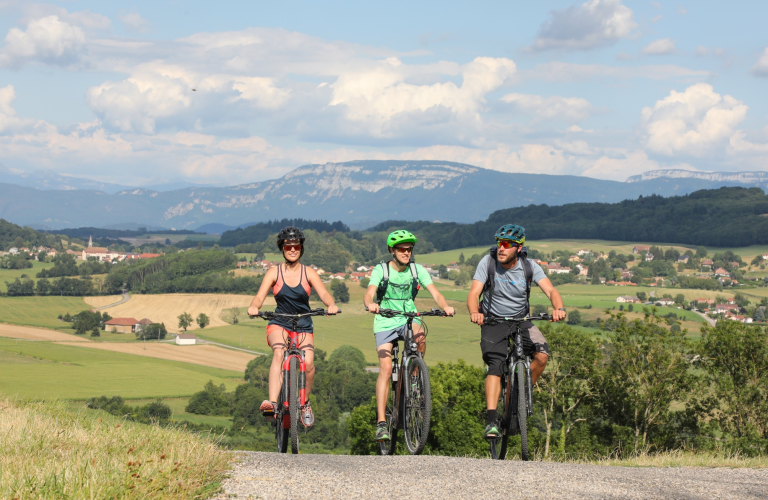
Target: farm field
(12, 274)
(48, 370)
(166, 308)
(39, 311)
(102, 300)
(28, 333)
(205, 355)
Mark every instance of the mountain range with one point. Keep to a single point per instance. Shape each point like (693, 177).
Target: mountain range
(359, 193)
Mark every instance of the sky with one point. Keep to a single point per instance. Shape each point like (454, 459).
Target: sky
(233, 92)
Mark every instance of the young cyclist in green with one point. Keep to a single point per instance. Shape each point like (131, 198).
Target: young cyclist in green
(398, 295)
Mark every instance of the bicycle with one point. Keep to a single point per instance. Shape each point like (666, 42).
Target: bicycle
(292, 396)
(409, 404)
(515, 404)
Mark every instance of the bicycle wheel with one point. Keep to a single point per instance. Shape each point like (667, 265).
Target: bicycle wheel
(499, 445)
(281, 429)
(522, 410)
(418, 405)
(390, 415)
(294, 410)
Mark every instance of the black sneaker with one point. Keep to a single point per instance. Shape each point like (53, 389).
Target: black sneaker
(492, 430)
(382, 434)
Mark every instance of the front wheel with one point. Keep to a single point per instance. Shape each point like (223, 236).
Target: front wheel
(418, 405)
(522, 410)
(499, 445)
(390, 415)
(294, 408)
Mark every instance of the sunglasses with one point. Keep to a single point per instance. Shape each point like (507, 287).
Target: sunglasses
(506, 244)
(404, 249)
(289, 248)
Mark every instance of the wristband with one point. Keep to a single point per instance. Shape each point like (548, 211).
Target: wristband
(561, 309)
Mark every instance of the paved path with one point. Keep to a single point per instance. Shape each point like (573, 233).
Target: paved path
(275, 476)
(227, 346)
(710, 321)
(126, 298)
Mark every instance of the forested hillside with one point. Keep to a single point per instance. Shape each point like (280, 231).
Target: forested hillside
(14, 235)
(261, 231)
(730, 216)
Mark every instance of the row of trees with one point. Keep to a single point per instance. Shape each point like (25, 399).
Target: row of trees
(71, 287)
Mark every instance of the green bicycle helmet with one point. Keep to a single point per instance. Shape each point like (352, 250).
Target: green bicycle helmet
(400, 236)
(511, 232)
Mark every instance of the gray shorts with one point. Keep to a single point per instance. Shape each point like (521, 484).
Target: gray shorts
(387, 336)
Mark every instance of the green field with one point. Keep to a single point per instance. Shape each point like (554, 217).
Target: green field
(177, 405)
(39, 311)
(11, 274)
(46, 370)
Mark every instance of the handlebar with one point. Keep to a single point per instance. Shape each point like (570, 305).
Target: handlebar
(495, 320)
(391, 313)
(270, 315)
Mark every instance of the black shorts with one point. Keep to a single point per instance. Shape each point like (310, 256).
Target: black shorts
(493, 344)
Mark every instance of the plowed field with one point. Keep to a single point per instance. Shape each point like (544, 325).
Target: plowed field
(206, 355)
(103, 301)
(25, 332)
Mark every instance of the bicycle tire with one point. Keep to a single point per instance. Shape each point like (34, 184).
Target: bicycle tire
(389, 447)
(500, 444)
(522, 411)
(294, 410)
(418, 405)
(281, 432)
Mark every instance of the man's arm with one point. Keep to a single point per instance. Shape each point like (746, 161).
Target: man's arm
(554, 296)
(472, 302)
(441, 303)
(372, 306)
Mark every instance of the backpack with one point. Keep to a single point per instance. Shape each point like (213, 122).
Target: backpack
(490, 281)
(381, 290)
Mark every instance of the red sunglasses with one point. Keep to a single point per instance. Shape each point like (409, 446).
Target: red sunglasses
(506, 244)
(289, 248)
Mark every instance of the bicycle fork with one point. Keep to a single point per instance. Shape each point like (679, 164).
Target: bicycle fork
(287, 379)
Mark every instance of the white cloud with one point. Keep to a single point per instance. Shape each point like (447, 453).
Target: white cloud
(693, 122)
(134, 22)
(656, 19)
(48, 39)
(567, 109)
(761, 66)
(596, 23)
(560, 72)
(659, 47)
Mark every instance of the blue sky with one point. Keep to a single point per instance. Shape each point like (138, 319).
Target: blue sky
(603, 88)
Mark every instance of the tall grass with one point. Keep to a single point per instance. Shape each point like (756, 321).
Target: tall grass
(48, 451)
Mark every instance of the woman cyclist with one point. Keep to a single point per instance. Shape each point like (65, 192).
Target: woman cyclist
(291, 283)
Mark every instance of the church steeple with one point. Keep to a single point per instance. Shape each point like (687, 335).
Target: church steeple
(90, 242)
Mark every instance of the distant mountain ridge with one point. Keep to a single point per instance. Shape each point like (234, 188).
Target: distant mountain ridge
(358, 193)
(756, 179)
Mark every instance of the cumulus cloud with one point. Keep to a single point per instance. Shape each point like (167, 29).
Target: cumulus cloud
(560, 72)
(761, 66)
(596, 23)
(693, 122)
(660, 47)
(134, 23)
(48, 39)
(567, 109)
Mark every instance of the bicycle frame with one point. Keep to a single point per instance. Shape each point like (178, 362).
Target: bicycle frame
(518, 360)
(411, 350)
(293, 351)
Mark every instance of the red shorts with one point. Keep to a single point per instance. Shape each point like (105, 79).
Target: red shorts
(286, 332)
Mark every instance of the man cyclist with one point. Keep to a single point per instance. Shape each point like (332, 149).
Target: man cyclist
(397, 293)
(508, 299)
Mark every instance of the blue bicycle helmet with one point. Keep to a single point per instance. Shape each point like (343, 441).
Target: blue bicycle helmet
(511, 232)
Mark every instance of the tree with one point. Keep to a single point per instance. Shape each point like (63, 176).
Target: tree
(630, 307)
(95, 332)
(642, 296)
(679, 299)
(212, 400)
(340, 291)
(185, 319)
(43, 287)
(568, 382)
(539, 309)
(741, 300)
(364, 282)
(759, 315)
(461, 259)
(574, 317)
(153, 331)
(701, 252)
(202, 320)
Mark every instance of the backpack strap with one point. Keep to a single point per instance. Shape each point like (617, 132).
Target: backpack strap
(490, 280)
(528, 268)
(381, 290)
(415, 285)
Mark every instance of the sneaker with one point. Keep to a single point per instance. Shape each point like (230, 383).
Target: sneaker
(307, 417)
(268, 408)
(382, 434)
(492, 431)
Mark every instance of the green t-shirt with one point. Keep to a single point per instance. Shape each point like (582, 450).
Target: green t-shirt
(398, 294)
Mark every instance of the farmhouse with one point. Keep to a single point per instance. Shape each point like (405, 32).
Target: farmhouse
(186, 339)
(583, 252)
(721, 272)
(557, 269)
(121, 325)
(648, 257)
(631, 299)
(640, 249)
(664, 302)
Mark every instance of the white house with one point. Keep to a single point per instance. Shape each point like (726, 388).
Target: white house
(664, 302)
(186, 339)
(582, 252)
(627, 299)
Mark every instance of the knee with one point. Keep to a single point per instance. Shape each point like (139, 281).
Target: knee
(385, 370)
(541, 357)
(310, 366)
(277, 356)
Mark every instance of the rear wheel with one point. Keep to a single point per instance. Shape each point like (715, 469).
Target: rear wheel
(522, 411)
(499, 445)
(390, 414)
(418, 405)
(294, 409)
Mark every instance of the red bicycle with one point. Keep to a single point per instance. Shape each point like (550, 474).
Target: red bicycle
(293, 392)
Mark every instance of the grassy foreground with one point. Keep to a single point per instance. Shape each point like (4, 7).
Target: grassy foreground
(47, 451)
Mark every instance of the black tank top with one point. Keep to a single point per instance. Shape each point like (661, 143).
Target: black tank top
(292, 300)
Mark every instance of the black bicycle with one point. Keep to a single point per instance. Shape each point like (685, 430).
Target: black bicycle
(409, 404)
(292, 395)
(516, 399)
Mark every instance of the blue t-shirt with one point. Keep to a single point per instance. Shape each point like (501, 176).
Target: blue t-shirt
(509, 290)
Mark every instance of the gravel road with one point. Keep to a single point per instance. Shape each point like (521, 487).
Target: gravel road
(275, 476)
